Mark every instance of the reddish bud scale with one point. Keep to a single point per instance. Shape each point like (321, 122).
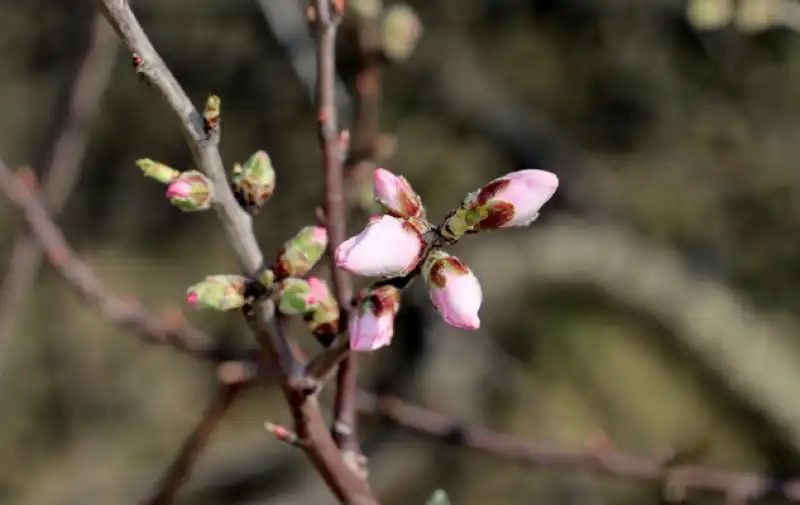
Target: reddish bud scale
(439, 268)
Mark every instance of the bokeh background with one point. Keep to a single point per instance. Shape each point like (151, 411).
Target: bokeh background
(656, 298)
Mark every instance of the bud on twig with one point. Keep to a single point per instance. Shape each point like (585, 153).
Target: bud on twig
(325, 318)
(191, 191)
(254, 182)
(211, 113)
(158, 171)
(281, 433)
(387, 247)
(396, 196)
(218, 292)
(371, 324)
(513, 200)
(454, 289)
(400, 32)
(295, 297)
(299, 254)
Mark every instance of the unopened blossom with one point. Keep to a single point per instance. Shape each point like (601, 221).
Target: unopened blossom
(300, 253)
(510, 201)
(296, 297)
(371, 324)
(387, 247)
(254, 182)
(218, 292)
(396, 196)
(324, 320)
(454, 290)
(191, 191)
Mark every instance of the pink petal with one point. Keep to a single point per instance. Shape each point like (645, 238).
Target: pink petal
(368, 332)
(459, 301)
(387, 185)
(386, 247)
(528, 191)
(192, 298)
(179, 189)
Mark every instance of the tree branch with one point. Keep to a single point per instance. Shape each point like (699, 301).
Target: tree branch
(440, 427)
(193, 446)
(318, 444)
(743, 485)
(203, 144)
(64, 167)
(126, 313)
(327, 17)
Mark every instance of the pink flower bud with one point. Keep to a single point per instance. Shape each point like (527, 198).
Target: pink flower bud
(191, 191)
(318, 288)
(325, 319)
(454, 290)
(396, 196)
(179, 189)
(515, 199)
(371, 324)
(387, 247)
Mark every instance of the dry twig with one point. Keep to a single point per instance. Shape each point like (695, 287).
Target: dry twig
(745, 486)
(318, 445)
(194, 445)
(328, 16)
(64, 167)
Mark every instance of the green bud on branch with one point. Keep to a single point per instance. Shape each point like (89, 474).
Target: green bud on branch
(254, 182)
(218, 292)
(158, 171)
(299, 255)
(295, 297)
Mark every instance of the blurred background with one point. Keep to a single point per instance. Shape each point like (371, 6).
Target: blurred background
(655, 300)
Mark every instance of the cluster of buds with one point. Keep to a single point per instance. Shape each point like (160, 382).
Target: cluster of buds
(294, 296)
(402, 242)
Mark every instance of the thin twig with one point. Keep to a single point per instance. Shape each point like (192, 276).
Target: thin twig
(126, 313)
(744, 485)
(193, 446)
(202, 142)
(328, 15)
(64, 167)
(318, 445)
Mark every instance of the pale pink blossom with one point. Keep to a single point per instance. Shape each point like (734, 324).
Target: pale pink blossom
(396, 195)
(454, 290)
(371, 325)
(516, 198)
(387, 247)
